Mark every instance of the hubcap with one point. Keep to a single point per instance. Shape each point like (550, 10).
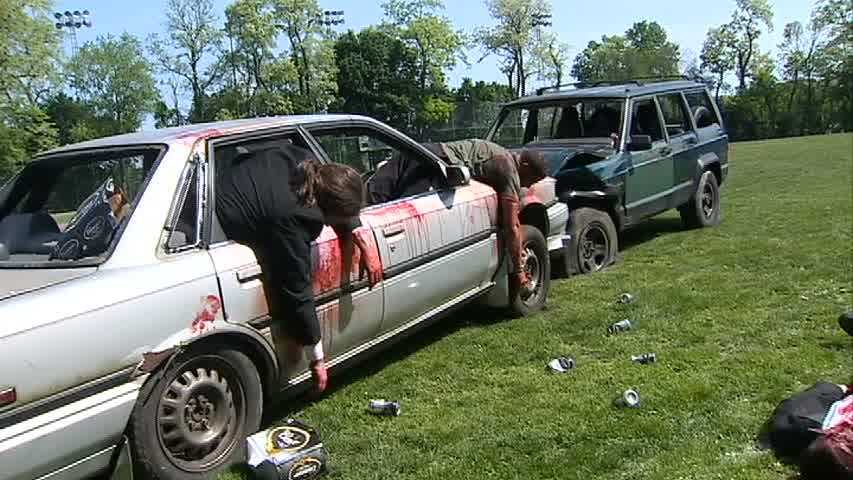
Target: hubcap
(594, 248)
(199, 416)
(709, 198)
(534, 270)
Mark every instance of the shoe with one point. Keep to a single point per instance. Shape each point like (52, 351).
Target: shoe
(846, 322)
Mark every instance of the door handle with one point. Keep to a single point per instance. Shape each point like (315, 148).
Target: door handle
(393, 230)
(248, 274)
(692, 140)
(666, 151)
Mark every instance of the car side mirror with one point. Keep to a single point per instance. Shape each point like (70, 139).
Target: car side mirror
(640, 143)
(458, 175)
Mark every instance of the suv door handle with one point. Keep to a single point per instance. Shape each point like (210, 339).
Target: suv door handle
(393, 230)
(666, 151)
(692, 140)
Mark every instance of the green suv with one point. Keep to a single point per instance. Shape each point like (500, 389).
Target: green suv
(622, 152)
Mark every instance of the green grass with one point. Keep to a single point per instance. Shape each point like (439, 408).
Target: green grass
(740, 316)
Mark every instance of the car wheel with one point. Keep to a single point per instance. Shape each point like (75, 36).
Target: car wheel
(703, 210)
(192, 418)
(538, 266)
(594, 241)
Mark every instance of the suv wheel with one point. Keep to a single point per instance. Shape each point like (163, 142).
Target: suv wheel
(703, 210)
(594, 241)
(192, 419)
(538, 266)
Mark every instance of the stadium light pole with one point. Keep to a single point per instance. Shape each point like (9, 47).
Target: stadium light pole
(71, 22)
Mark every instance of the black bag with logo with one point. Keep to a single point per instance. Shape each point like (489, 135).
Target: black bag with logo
(89, 233)
(292, 451)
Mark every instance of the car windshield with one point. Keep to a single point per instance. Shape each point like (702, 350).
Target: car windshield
(68, 208)
(573, 118)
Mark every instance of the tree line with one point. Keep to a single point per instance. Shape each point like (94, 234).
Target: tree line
(278, 57)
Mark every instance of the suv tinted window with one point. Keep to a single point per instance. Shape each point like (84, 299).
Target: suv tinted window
(645, 120)
(674, 115)
(702, 109)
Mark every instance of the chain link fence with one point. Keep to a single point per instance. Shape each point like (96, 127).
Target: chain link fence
(469, 120)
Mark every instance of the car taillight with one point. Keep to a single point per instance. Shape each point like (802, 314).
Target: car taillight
(8, 396)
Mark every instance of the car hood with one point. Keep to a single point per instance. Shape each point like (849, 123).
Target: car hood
(19, 281)
(563, 156)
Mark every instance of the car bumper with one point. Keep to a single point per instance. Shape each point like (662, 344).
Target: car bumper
(71, 442)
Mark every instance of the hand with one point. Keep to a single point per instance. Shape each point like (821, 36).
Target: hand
(374, 272)
(320, 376)
(519, 283)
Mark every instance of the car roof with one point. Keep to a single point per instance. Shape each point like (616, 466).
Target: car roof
(193, 133)
(621, 91)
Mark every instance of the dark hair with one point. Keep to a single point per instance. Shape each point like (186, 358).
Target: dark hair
(536, 161)
(336, 189)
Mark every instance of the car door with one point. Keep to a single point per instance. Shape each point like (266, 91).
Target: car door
(682, 139)
(650, 173)
(347, 309)
(436, 246)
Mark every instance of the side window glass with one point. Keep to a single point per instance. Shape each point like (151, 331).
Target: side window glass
(390, 170)
(510, 132)
(548, 118)
(182, 228)
(674, 115)
(645, 120)
(702, 110)
(363, 151)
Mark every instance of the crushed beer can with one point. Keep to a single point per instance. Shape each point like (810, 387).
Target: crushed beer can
(562, 364)
(292, 451)
(385, 408)
(644, 359)
(626, 298)
(619, 327)
(629, 399)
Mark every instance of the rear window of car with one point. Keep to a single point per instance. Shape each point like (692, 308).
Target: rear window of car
(702, 109)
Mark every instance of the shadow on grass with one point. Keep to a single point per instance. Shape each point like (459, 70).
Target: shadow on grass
(375, 361)
(649, 230)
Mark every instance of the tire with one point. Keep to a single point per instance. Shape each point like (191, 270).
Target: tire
(539, 266)
(704, 208)
(594, 241)
(223, 388)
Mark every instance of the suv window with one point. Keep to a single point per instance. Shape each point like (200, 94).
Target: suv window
(674, 115)
(645, 120)
(571, 118)
(702, 109)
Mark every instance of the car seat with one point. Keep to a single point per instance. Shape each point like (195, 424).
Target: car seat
(570, 124)
(31, 233)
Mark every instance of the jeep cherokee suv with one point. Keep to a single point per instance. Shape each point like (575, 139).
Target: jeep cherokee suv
(622, 152)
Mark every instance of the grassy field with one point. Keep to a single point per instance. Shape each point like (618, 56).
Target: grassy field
(740, 316)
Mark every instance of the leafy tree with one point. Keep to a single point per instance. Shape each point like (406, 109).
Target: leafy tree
(190, 48)
(251, 31)
(745, 27)
(311, 51)
(512, 38)
(377, 77)
(834, 60)
(552, 58)
(717, 56)
(469, 91)
(113, 76)
(29, 49)
(643, 51)
(437, 44)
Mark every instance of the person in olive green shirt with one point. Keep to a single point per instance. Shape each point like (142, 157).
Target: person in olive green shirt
(507, 173)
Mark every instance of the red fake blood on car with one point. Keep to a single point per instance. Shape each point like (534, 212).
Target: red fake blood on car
(327, 263)
(211, 305)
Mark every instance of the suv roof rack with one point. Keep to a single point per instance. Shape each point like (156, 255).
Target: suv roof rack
(639, 81)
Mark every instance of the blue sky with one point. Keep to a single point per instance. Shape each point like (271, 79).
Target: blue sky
(576, 22)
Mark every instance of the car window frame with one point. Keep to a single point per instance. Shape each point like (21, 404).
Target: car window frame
(685, 111)
(654, 100)
(101, 259)
(715, 108)
(414, 147)
(211, 222)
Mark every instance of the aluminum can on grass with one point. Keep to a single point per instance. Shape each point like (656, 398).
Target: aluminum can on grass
(385, 408)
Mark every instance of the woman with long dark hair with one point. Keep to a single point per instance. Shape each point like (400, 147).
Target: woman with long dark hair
(276, 201)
